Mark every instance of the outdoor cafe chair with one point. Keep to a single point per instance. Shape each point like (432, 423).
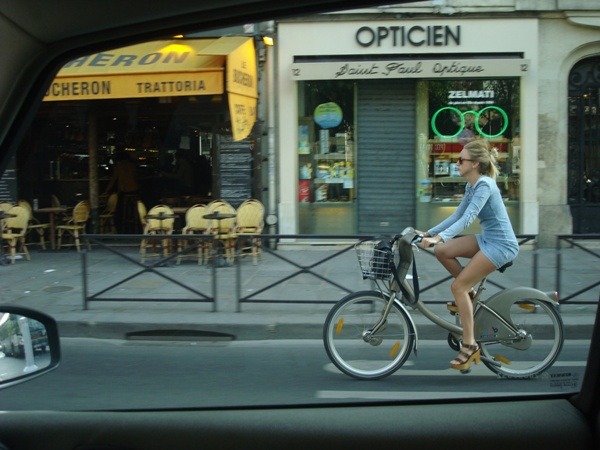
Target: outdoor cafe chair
(55, 203)
(34, 224)
(249, 223)
(142, 212)
(15, 230)
(107, 217)
(157, 224)
(75, 226)
(195, 223)
(6, 206)
(223, 229)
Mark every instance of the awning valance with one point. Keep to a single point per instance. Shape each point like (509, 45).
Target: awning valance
(179, 67)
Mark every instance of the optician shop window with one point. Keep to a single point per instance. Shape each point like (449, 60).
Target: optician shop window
(459, 111)
(326, 156)
(325, 141)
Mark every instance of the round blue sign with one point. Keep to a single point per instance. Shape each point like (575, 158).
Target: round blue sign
(328, 115)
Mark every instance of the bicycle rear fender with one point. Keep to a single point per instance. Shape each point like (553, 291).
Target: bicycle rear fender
(519, 293)
(487, 325)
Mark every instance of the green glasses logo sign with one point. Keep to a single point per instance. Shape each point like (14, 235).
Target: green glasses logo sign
(459, 118)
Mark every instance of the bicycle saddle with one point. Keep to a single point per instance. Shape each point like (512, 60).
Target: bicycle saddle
(505, 266)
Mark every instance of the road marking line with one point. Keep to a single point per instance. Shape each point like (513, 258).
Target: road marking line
(399, 395)
(479, 370)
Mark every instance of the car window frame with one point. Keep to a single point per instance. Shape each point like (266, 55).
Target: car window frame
(19, 109)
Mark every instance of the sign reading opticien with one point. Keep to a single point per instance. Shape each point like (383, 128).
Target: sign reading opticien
(403, 36)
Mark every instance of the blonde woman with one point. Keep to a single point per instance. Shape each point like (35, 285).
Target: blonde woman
(488, 251)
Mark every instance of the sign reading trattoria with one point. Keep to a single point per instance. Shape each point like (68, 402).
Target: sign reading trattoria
(135, 86)
(159, 69)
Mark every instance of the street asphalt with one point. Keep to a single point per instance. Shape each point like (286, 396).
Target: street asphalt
(285, 296)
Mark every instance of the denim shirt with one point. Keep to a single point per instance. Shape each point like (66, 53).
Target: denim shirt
(483, 201)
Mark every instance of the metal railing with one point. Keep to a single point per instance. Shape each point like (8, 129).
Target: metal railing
(298, 268)
(110, 242)
(281, 277)
(523, 239)
(312, 269)
(573, 240)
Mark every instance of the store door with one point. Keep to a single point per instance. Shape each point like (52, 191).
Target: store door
(386, 156)
(584, 146)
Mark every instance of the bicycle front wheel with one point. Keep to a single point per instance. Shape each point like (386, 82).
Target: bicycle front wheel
(355, 349)
(532, 347)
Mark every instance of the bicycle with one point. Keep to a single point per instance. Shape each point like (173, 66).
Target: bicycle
(370, 334)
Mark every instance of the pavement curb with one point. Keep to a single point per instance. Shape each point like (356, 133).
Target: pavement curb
(162, 331)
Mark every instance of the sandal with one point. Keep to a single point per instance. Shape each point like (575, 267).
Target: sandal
(453, 307)
(468, 354)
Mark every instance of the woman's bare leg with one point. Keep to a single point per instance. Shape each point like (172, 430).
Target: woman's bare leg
(478, 268)
(448, 252)
(464, 279)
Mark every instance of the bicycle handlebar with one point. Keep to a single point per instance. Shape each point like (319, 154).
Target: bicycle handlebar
(410, 233)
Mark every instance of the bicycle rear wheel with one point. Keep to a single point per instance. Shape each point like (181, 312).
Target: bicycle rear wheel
(357, 352)
(535, 345)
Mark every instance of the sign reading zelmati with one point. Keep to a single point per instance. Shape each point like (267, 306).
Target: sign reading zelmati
(467, 68)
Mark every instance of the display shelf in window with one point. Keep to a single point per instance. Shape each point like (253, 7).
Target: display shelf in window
(325, 165)
(333, 178)
(446, 189)
(444, 176)
(306, 135)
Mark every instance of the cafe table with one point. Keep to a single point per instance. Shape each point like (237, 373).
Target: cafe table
(3, 215)
(52, 211)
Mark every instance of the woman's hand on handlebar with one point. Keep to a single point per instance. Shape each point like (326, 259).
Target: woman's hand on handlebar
(424, 240)
(427, 242)
(421, 239)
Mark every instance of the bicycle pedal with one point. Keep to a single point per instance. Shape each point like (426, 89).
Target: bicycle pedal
(452, 309)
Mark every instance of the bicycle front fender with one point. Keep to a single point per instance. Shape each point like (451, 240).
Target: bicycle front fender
(403, 307)
(412, 324)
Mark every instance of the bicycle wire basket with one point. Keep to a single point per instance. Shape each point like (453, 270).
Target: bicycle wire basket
(375, 259)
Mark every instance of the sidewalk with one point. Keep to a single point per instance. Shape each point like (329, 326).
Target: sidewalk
(52, 282)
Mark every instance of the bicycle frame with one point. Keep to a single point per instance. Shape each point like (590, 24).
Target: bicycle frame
(388, 332)
(492, 318)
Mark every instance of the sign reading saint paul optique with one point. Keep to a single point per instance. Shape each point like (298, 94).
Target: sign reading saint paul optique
(408, 68)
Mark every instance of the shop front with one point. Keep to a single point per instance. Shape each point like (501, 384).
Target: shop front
(192, 97)
(377, 112)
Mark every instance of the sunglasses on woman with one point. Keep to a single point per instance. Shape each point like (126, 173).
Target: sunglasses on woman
(460, 160)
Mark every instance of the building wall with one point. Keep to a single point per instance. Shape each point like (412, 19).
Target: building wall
(562, 44)
(329, 37)
(554, 35)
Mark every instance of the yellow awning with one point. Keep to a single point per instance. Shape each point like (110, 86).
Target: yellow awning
(168, 68)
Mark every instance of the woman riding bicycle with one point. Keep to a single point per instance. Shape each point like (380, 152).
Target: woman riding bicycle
(488, 251)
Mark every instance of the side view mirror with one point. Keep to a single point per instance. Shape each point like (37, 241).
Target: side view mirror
(29, 344)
